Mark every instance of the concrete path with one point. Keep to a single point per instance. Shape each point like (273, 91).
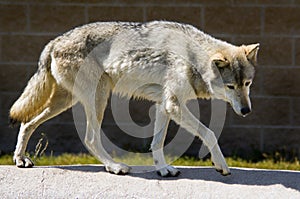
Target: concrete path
(91, 181)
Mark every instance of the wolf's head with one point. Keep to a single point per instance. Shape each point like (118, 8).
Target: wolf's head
(236, 68)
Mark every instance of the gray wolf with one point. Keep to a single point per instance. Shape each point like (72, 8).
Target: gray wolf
(165, 62)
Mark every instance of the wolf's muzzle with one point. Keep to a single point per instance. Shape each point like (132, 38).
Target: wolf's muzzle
(245, 111)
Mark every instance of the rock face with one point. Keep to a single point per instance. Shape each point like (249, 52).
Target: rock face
(91, 181)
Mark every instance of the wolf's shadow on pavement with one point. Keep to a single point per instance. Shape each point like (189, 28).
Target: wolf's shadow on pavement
(288, 179)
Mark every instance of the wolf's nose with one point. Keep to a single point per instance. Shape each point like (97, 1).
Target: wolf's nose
(245, 110)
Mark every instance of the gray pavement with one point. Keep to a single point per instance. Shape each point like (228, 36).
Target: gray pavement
(91, 181)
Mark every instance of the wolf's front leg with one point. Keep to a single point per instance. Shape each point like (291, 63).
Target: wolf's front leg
(181, 115)
(160, 131)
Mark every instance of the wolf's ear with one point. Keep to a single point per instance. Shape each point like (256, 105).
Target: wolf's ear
(220, 61)
(251, 53)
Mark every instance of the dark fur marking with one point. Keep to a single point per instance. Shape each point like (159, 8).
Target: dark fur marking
(13, 122)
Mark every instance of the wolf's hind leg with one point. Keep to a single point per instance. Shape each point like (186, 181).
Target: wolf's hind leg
(94, 106)
(60, 101)
(160, 131)
(93, 143)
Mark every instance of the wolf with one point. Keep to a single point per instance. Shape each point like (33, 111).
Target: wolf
(168, 63)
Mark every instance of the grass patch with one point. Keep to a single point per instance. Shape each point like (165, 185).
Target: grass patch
(238, 162)
(137, 159)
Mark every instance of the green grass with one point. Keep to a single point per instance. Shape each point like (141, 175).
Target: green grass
(69, 159)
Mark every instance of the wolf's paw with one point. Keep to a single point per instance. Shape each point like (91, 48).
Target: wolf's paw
(220, 165)
(23, 162)
(117, 168)
(168, 171)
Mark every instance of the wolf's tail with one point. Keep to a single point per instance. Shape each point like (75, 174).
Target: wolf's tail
(36, 93)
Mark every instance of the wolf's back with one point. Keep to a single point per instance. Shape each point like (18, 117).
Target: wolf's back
(36, 93)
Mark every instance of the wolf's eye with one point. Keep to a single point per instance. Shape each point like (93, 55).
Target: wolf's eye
(230, 86)
(247, 83)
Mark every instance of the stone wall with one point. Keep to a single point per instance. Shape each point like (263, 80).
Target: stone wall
(274, 125)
